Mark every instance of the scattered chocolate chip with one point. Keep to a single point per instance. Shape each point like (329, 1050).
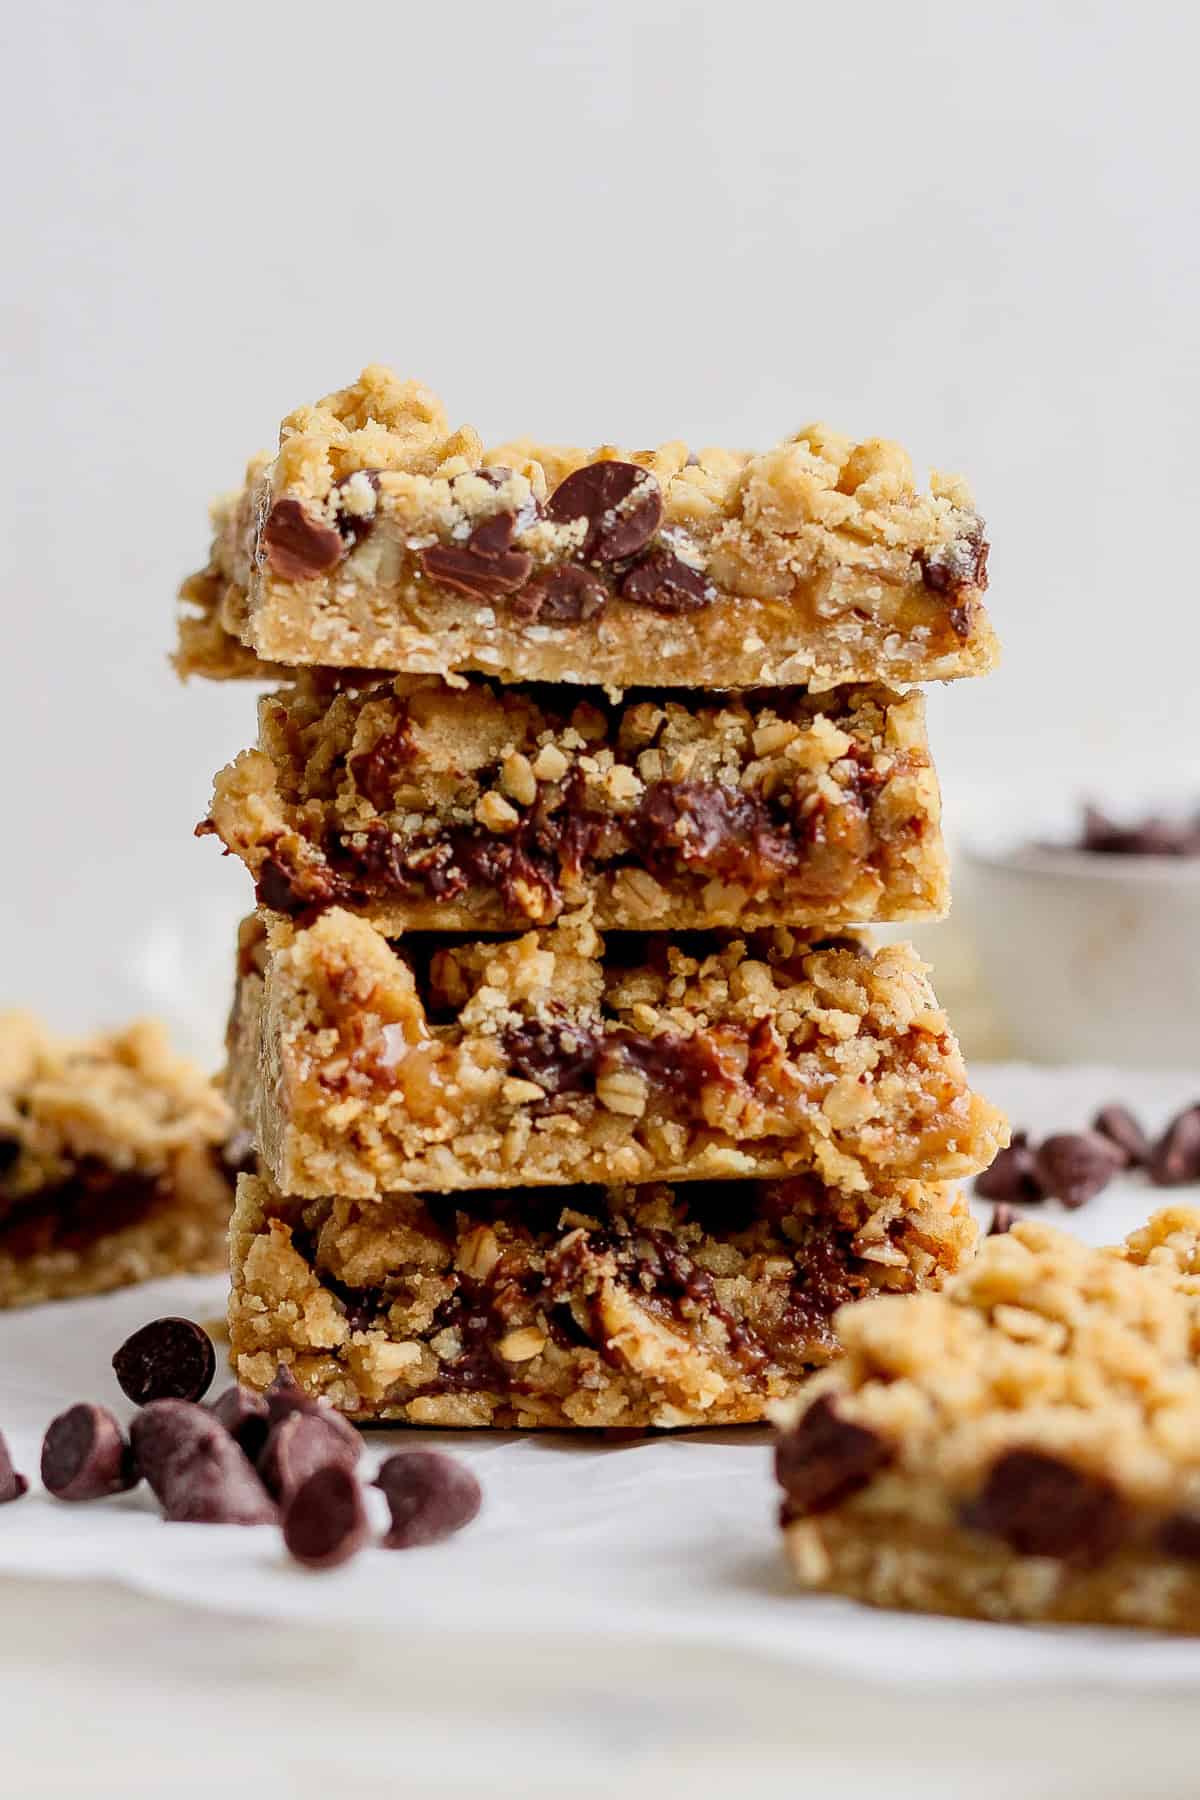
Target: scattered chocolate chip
(243, 1413)
(1151, 836)
(561, 595)
(285, 1396)
(1179, 1536)
(1074, 1166)
(299, 547)
(85, 1455)
(1013, 1174)
(12, 1485)
(197, 1472)
(621, 502)
(325, 1522)
(824, 1458)
(1175, 1158)
(1004, 1217)
(1122, 1129)
(430, 1496)
(169, 1359)
(1043, 1507)
(300, 1444)
(475, 572)
(663, 581)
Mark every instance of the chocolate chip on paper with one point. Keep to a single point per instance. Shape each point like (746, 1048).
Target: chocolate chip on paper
(85, 1455)
(168, 1359)
(285, 1395)
(1123, 1130)
(430, 1496)
(1004, 1217)
(1175, 1158)
(1075, 1166)
(196, 1471)
(1012, 1175)
(326, 1523)
(12, 1485)
(300, 1444)
(244, 1414)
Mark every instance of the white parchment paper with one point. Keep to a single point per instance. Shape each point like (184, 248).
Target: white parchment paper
(667, 1540)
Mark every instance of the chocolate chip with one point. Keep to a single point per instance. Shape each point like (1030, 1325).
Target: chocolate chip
(666, 583)
(169, 1359)
(561, 1058)
(1179, 1535)
(243, 1413)
(1004, 1217)
(714, 828)
(300, 1444)
(1074, 1166)
(196, 1471)
(299, 547)
(824, 1458)
(1122, 1129)
(430, 1496)
(326, 1522)
(474, 572)
(12, 1485)
(1152, 836)
(85, 1455)
(959, 565)
(1012, 1175)
(1175, 1159)
(621, 502)
(1041, 1506)
(562, 595)
(285, 1395)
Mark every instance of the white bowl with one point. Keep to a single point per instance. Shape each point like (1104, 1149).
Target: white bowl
(1089, 958)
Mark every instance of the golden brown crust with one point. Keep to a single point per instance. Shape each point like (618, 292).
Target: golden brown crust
(421, 806)
(817, 562)
(573, 1307)
(560, 1060)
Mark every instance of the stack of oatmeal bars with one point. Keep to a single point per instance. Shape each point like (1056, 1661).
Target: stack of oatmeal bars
(578, 1095)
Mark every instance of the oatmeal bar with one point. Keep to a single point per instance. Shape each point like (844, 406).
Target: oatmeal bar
(363, 1066)
(1025, 1445)
(110, 1163)
(571, 1306)
(425, 808)
(377, 538)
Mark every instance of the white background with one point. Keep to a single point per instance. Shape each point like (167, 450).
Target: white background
(972, 227)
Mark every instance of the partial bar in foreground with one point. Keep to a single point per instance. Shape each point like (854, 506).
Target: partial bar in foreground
(1025, 1445)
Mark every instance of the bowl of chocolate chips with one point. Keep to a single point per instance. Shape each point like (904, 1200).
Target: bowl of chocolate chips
(1089, 946)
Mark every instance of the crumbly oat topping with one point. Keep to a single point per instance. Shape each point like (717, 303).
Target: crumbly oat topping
(364, 1066)
(582, 1307)
(421, 805)
(379, 538)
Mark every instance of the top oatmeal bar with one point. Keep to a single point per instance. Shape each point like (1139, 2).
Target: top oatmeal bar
(377, 538)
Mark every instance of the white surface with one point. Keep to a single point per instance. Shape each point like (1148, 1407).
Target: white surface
(970, 227)
(587, 1549)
